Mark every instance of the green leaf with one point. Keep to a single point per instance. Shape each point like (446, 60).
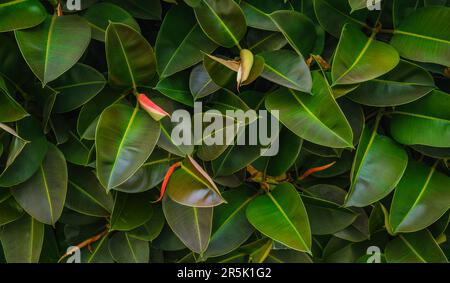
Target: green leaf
(131, 61)
(76, 151)
(53, 47)
(99, 254)
(419, 247)
(405, 83)
(423, 36)
(200, 83)
(22, 240)
(230, 225)
(176, 87)
(192, 225)
(10, 210)
(142, 9)
(125, 138)
(420, 198)
(21, 14)
(149, 175)
(24, 158)
(151, 229)
(222, 20)
(281, 215)
(288, 69)
(334, 14)
(303, 114)
(76, 87)
(298, 30)
(428, 116)
(380, 154)
(44, 194)
(130, 211)
(100, 14)
(259, 41)
(125, 249)
(192, 186)
(10, 109)
(180, 42)
(327, 217)
(257, 13)
(85, 194)
(359, 59)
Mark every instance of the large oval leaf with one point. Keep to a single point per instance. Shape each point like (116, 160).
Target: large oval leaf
(420, 198)
(86, 195)
(53, 47)
(428, 116)
(10, 109)
(130, 211)
(100, 14)
(380, 154)
(334, 14)
(131, 61)
(222, 20)
(125, 249)
(76, 87)
(192, 186)
(281, 215)
(22, 14)
(419, 247)
(192, 225)
(125, 138)
(359, 59)
(423, 36)
(10, 210)
(44, 194)
(22, 240)
(180, 42)
(200, 83)
(302, 114)
(288, 69)
(405, 83)
(257, 12)
(230, 225)
(24, 158)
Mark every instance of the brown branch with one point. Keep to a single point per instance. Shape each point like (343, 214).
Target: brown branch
(85, 243)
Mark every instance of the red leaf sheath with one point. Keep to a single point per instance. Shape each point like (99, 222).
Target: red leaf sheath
(166, 180)
(315, 169)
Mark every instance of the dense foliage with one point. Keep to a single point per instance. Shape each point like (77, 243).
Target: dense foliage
(363, 102)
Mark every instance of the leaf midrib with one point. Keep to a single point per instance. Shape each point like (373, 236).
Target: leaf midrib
(47, 193)
(236, 42)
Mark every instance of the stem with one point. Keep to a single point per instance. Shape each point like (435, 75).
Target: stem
(85, 243)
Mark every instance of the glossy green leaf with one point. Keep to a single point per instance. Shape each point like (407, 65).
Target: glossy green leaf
(131, 61)
(141, 9)
(151, 229)
(375, 153)
(200, 83)
(10, 210)
(222, 20)
(282, 216)
(260, 41)
(405, 83)
(287, 69)
(24, 158)
(99, 15)
(85, 194)
(428, 116)
(44, 194)
(76, 87)
(22, 14)
(298, 30)
(176, 87)
(422, 36)
(10, 109)
(123, 147)
(359, 59)
(302, 114)
(125, 249)
(180, 42)
(230, 225)
(22, 240)
(419, 247)
(334, 14)
(192, 186)
(257, 13)
(130, 211)
(420, 198)
(192, 225)
(53, 47)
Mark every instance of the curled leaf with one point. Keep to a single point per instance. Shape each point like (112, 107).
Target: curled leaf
(151, 108)
(245, 66)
